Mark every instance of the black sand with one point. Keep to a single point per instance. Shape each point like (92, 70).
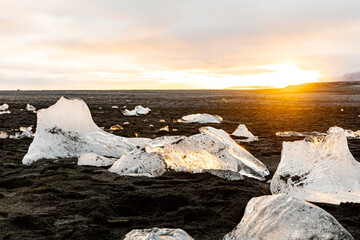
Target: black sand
(60, 200)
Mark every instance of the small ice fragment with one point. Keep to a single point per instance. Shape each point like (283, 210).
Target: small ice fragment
(124, 106)
(30, 107)
(5, 112)
(137, 110)
(342, 110)
(126, 123)
(136, 134)
(166, 128)
(145, 120)
(279, 216)
(91, 159)
(162, 121)
(139, 163)
(115, 107)
(100, 108)
(116, 127)
(151, 125)
(242, 131)
(129, 113)
(158, 234)
(3, 135)
(174, 130)
(201, 118)
(4, 107)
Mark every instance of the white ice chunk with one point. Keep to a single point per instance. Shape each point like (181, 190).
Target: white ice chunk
(92, 159)
(348, 133)
(4, 107)
(30, 107)
(201, 118)
(164, 129)
(3, 135)
(157, 234)
(5, 112)
(242, 131)
(114, 107)
(318, 169)
(212, 149)
(139, 163)
(66, 129)
(283, 217)
(137, 110)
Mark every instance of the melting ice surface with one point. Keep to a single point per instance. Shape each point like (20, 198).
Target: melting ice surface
(137, 110)
(242, 131)
(158, 234)
(66, 129)
(201, 118)
(283, 217)
(319, 169)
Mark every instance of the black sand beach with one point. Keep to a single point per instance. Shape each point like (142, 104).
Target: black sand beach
(60, 200)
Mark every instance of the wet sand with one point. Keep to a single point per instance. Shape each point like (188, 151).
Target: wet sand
(60, 200)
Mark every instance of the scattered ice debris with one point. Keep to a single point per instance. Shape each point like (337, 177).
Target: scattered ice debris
(162, 120)
(128, 100)
(164, 129)
(115, 107)
(66, 129)
(139, 163)
(158, 234)
(4, 107)
(116, 127)
(212, 149)
(5, 112)
(283, 217)
(319, 169)
(137, 110)
(242, 131)
(3, 135)
(30, 108)
(92, 159)
(201, 118)
(126, 123)
(298, 134)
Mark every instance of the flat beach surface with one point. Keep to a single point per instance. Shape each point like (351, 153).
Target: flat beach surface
(60, 200)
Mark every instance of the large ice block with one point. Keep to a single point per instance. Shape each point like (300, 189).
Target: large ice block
(158, 234)
(212, 149)
(283, 217)
(318, 169)
(66, 129)
(201, 118)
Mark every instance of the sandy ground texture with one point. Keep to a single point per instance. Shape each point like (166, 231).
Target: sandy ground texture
(56, 199)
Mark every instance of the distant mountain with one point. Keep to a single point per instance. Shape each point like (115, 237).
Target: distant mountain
(355, 76)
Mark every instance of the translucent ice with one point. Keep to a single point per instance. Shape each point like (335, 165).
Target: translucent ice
(201, 118)
(318, 169)
(116, 127)
(66, 129)
(242, 131)
(137, 110)
(91, 159)
(283, 217)
(348, 133)
(3, 135)
(30, 107)
(298, 134)
(212, 149)
(4, 107)
(139, 163)
(158, 234)
(164, 129)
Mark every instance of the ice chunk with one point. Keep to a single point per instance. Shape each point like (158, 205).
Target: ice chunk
(162, 120)
(139, 163)
(242, 131)
(126, 123)
(5, 112)
(91, 159)
(201, 118)
(137, 110)
(116, 127)
(30, 107)
(4, 107)
(298, 134)
(165, 129)
(348, 133)
(114, 107)
(212, 149)
(158, 234)
(3, 135)
(66, 129)
(283, 217)
(318, 169)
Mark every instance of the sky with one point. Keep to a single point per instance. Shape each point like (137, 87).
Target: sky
(162, 44)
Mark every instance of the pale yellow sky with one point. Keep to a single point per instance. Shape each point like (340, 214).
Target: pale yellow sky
(184, 44)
